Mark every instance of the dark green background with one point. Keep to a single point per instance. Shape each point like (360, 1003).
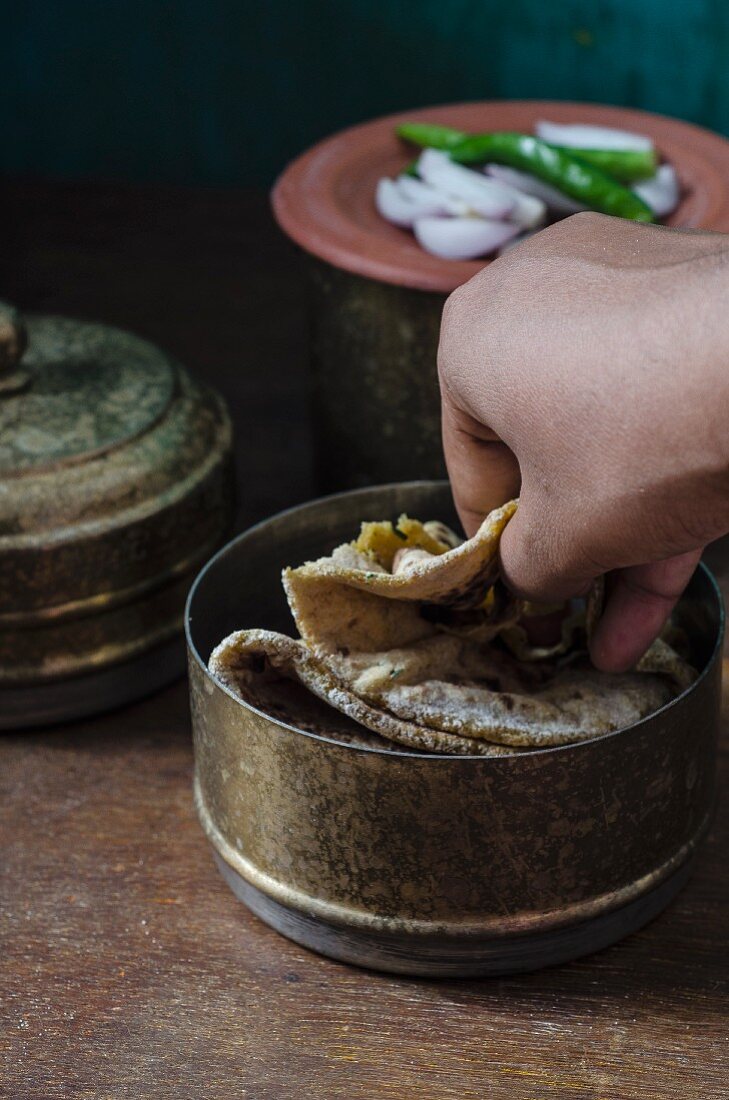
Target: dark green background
(224, 92)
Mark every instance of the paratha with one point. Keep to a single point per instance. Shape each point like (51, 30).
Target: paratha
(409, 632)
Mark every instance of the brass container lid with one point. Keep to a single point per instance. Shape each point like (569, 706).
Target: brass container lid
(115, 484)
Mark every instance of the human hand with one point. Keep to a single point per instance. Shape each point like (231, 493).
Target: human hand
(587, 371)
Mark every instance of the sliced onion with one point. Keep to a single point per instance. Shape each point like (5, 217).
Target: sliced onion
(582, 136)
(462, 238)
(482, 195)
(419, 191)
(530, 185)
(494, 200)
(529, 211)
(661, 192)
(403, 210)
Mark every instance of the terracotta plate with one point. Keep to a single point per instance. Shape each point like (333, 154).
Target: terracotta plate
(325, 198)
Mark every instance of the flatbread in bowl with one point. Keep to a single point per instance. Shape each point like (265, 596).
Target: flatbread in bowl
(408, 632)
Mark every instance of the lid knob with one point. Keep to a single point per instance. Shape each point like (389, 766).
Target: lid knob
(13, 342)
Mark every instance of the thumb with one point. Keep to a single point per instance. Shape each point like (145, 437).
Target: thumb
(640, 599)
(538, 566)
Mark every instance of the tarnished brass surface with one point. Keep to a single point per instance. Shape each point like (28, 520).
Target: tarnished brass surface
(457, 954)
(13, 341)
(376, 403)
(115, 485)
(451, 850)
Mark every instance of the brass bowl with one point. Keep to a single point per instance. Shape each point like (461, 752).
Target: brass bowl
(439, 865)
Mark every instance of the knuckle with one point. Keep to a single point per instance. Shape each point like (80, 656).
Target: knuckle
(584, 219)
(454, 310)
(540, 563)
(450, 327)
(463, 319)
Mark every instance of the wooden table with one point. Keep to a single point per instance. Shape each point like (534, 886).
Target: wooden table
(128, 968)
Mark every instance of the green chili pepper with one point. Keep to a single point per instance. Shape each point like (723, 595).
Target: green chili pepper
(627, 165)
(571, 174)
(430, 136)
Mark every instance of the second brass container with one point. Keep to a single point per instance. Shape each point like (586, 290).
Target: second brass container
(429, 864)
(115, 485)
(376, 402)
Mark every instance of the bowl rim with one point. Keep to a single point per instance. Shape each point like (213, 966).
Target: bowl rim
(296, 509)
(321, 212)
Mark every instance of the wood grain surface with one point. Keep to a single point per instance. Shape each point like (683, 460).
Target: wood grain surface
(128, 969)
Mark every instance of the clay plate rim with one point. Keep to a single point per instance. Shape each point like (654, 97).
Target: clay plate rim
(324, 199)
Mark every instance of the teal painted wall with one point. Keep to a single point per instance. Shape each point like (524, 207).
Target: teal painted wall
(226, 91)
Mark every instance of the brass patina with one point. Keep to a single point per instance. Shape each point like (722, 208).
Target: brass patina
(115, 485)
(429, 864)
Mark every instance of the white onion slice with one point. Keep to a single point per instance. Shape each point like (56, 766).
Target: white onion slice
(482, 195)
(531, 185)
(419, 191)
(494, 200)
(661, 192)
(529, 211)
(582, 136)
(402, 210)
(462, 238)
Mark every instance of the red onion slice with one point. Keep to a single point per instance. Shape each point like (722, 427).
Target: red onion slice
(529, 211)
(661, 192)
(418, 191)
(462, 238)
(582, 136)
(485, 197)
(403, 210)
(530, 185)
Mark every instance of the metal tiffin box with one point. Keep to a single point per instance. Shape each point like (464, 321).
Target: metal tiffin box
(115, 485)
(430, 864)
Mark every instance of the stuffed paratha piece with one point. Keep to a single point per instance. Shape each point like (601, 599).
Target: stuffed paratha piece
(448, 694)
(368, 595)
(260, 665)
(409, 633)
